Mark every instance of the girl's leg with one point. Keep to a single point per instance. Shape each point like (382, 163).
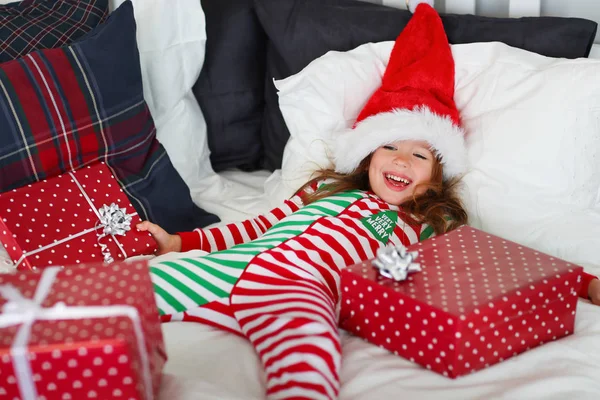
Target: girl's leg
(286, 305)
(216, 313)
(196, 289)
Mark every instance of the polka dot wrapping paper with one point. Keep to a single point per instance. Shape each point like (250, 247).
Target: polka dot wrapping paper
(81, 354)
(52, 222)
(478, 300)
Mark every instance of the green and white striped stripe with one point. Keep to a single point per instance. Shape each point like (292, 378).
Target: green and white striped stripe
(190, 282)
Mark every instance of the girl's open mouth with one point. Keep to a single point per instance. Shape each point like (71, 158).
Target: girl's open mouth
(396, 182)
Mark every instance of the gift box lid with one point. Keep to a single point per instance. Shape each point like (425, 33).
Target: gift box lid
(468, 272)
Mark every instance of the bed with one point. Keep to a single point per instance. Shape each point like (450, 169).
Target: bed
(205, 363)
(229, 368)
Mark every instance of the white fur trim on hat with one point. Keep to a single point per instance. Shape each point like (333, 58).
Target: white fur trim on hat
(412, 4)
(351, 146)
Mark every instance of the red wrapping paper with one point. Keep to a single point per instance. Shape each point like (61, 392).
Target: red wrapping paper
(49, 216)
(478, 300)
(88, 357)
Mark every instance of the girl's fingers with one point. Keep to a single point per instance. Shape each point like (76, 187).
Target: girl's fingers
(150, 227)
(160, 235)
(143, 226)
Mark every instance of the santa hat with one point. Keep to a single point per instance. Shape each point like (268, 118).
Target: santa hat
(415, 100)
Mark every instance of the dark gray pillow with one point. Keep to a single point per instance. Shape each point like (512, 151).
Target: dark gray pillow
(231, 85)
(300, 31)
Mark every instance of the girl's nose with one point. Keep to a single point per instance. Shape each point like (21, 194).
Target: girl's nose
(401, 160)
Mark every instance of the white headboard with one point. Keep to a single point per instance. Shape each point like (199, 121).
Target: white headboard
(516, 8)
(589, 9)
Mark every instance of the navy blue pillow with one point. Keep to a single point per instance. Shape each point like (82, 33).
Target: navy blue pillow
(31, 25)
(73, 106)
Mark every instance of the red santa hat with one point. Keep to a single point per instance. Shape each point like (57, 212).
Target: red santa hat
(415, 100)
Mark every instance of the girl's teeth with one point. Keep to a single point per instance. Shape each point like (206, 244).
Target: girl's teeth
(397, 179)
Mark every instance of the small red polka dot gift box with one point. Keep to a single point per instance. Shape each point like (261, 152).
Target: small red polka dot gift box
(474, 300)
(82, 216)
(83, 332)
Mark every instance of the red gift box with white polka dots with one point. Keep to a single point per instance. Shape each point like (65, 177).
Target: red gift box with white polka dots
(104, 343)
(51, 222)
(478, 300)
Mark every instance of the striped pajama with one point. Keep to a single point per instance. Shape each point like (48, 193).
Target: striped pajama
(281, 290)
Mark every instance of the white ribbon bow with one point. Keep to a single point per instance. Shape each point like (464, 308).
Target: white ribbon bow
(396, 262)
(25, 311)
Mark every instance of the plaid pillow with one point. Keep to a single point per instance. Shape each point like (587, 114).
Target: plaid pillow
(61, 109)
(46, 24)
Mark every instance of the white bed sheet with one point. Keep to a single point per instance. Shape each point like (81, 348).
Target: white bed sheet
(234, 195)
(205, 363)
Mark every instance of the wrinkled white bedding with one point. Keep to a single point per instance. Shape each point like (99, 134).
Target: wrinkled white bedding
(209, 364)
(205, 363)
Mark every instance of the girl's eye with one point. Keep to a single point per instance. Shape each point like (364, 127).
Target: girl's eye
(389, 147)
(420, 156)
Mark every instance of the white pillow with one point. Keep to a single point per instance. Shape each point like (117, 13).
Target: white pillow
(171, 37)
(325, 97)
(533, 126)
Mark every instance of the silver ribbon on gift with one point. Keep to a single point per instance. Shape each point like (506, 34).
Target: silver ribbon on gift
(396, 262)
(113, 221)
(21, 310)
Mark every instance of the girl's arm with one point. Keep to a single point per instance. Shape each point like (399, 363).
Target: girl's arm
(590, 288)
(223, 237)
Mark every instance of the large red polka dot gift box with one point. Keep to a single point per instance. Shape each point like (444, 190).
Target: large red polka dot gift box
(82, 216)
(460, 302)
(83, 332)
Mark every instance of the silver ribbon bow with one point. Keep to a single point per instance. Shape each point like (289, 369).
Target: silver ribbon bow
(396, 262)
(114, 221)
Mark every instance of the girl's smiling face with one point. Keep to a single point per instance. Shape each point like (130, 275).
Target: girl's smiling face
(398, 171)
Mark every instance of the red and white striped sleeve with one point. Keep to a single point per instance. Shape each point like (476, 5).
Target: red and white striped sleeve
(586, 280)
(223, 237)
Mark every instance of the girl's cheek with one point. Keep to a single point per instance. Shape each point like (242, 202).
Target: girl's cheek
(419, 190)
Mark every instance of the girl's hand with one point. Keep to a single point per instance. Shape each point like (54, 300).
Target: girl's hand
(594, 291)
(166, 242)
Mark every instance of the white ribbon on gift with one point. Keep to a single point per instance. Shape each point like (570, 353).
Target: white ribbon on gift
(82, 233)
(25, 311)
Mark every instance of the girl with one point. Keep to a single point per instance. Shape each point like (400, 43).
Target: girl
(281, 290)
(275, 278)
